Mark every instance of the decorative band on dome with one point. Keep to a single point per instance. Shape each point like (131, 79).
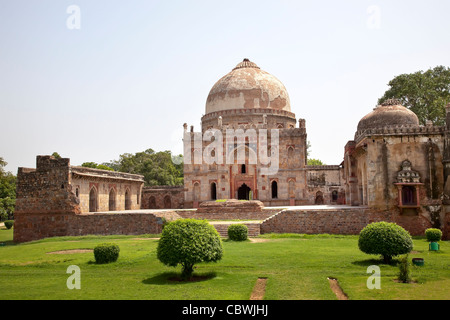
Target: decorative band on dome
(391, 102)
(246, 63)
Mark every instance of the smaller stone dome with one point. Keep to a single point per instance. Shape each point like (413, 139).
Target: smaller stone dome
(389, 113)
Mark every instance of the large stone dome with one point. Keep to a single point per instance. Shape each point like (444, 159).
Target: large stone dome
(247, 86)
(390, 113)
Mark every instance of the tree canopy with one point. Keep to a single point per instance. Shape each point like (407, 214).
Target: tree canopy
(7, 192)
(158, 168)
(425, 93)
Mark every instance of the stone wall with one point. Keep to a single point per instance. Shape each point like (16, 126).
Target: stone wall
(163, 197)
(29, 227)
(338, 221)
(46, 188)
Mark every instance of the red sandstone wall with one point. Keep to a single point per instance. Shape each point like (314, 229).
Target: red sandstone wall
(264, 214)
(28, 227)
(344, 221)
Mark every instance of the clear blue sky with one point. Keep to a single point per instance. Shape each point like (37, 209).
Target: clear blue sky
(135, 71)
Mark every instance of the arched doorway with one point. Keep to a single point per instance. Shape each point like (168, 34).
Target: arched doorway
(93, 200)
(127, 200)
(167, 202)
(213, 191)
(244, 192)
(274, 190)
(319, 198)
(112, 200)
(152, 203)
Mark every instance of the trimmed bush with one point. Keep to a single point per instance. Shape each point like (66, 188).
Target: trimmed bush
(238, 232)
(106, 253)
(386, 239)
(433, 235)
(187, 242)
(9, 224)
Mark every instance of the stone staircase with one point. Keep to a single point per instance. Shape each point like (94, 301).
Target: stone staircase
(222, 228)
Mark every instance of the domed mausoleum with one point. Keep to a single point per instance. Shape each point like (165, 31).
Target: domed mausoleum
(389, 114)
(244, 107)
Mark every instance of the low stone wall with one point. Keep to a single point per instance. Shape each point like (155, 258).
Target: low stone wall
(29, 227)
(193, 214)
(338, 221)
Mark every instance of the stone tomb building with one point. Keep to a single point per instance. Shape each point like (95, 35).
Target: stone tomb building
(243, 108)
(252, 147)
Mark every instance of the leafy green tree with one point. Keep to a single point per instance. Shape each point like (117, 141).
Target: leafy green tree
(188, 242)
(56, 155)
(7, 192)
(425, 93)
(315, 162)
(156, 167)
(96, 166)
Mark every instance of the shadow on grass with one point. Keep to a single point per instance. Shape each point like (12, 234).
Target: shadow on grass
(168, 278)
(370, 262)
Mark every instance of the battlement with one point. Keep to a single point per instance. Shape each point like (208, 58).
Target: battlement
(400, 130)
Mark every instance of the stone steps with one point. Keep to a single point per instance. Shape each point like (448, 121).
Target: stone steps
(253, 228)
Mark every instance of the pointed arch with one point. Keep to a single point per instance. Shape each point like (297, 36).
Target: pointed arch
(93, 199)
(112, 200)
(127, 199)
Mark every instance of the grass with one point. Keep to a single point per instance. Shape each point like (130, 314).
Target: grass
(296, 267)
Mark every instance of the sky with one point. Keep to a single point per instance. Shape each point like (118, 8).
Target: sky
(92, 80)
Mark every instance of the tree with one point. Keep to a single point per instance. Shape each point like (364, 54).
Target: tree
(156, 167)
(7, 192)
(312, 162)
(315, 162)
(188, 242)
(56, 155)
(96, 166)
(425, 93)
(386, 239)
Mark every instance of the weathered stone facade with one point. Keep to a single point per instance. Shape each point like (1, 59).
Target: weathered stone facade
(394, 170)
(245, 108)
(163, 197)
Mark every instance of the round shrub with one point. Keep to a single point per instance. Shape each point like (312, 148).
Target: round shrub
(433, 235)
(9, 224)
(386, 239)
(238, 232)
(187, 242)
(106, 253)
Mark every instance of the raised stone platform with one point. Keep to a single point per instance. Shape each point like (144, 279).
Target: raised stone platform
(230, 205)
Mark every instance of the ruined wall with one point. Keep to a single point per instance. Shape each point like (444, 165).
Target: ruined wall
(338, 221)
(29, 227)
(111, 189)
(46, 189)
(163, 197)
(325, 185)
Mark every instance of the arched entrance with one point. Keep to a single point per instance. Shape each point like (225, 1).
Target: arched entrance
(244, 192)
(319, 198)
(93, 200)
(127, 200)
(112, 200)
(213, 191)
(167, 202)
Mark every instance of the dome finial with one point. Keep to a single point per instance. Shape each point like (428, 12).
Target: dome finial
(246, 63)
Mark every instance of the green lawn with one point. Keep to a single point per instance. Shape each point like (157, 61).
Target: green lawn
(296, 266)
